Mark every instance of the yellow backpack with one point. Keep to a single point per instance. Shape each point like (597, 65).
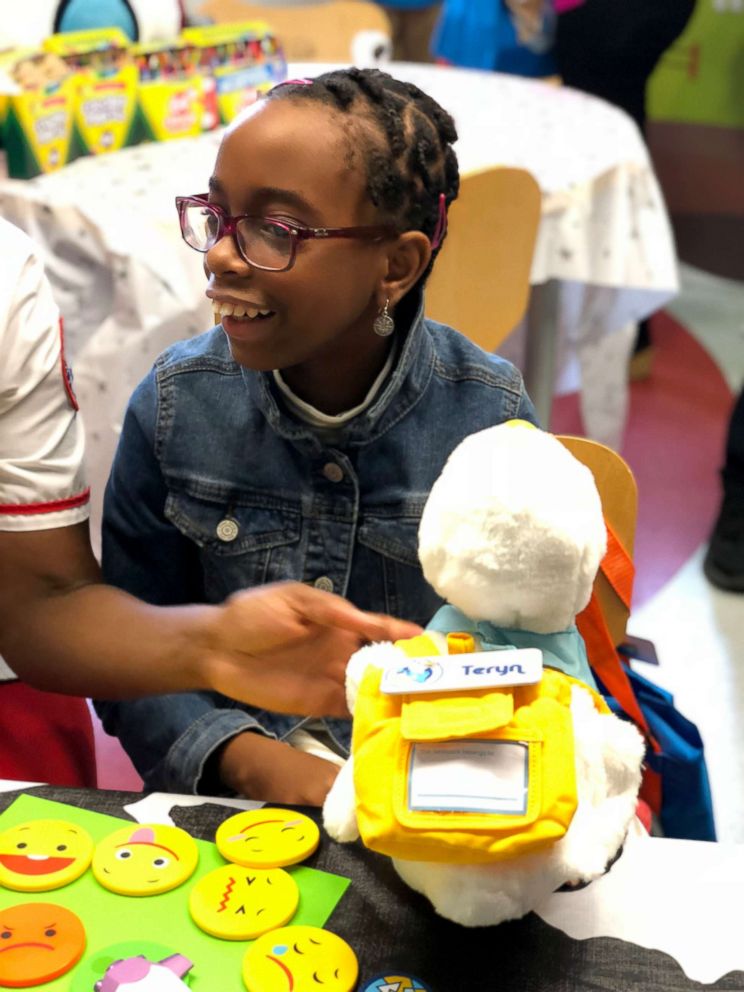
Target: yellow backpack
(464, 776)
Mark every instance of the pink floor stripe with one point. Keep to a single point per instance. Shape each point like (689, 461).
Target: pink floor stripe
(674, 444)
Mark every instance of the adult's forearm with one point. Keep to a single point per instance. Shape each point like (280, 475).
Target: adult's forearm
(95, 640)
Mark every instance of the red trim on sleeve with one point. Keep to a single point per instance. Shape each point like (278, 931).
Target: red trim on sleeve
(66, 370)
(29, 509)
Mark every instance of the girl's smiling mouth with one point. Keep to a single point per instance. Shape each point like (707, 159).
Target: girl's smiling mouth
(240, 311)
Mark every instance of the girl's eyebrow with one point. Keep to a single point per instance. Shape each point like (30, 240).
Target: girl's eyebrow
(286, 196)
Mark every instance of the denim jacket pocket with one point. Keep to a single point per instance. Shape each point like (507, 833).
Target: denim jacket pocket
(242, 543)
(391, 547)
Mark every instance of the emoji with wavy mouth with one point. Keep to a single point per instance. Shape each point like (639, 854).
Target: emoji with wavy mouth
(38, 942)
(146, 860)
(300, 959)
(43, 854)
(238, 903)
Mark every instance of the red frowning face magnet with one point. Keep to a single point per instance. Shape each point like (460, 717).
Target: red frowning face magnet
(39, 941)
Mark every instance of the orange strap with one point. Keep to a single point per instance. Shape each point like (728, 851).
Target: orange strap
(618, 567)
(603, 656)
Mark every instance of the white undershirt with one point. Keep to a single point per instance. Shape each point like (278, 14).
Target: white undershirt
(316, 418)
(303, 739)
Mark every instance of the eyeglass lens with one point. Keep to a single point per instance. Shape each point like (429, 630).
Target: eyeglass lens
(262, 242)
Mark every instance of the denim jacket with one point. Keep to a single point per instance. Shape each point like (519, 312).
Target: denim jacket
(216, 486)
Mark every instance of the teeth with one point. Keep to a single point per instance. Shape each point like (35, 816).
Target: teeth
(238, 310)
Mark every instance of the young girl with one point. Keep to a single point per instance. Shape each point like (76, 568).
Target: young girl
(300, 436)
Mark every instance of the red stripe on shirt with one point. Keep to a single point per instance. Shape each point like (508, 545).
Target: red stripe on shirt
(29, 509)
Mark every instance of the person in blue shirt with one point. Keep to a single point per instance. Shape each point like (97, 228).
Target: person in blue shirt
(413, 23)
(299, 438)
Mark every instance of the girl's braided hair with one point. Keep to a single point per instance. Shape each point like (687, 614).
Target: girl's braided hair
(407, 174)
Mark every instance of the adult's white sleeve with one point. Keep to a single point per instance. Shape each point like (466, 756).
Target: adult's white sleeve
(42, 476)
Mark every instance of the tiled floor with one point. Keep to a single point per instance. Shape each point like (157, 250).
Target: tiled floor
(699, 631)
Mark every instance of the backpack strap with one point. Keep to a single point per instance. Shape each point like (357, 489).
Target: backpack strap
(617, 566)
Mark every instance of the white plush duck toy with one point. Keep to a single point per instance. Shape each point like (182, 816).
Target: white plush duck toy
(483, 760)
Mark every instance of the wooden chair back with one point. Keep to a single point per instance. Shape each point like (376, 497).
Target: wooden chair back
(480, 282)
(619, 495)
(322, 32)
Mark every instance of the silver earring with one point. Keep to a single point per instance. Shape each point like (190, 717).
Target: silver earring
(383, 324)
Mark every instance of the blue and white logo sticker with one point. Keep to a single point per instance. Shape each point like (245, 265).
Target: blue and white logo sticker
(460, 672)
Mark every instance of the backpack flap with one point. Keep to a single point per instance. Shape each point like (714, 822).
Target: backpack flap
(447, 716)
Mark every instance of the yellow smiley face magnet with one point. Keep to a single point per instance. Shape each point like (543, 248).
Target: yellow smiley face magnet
(267, 838)
(146, 860)
(300, 959)
(43, 854)
(238, 903)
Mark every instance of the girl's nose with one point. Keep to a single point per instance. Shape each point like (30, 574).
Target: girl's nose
(224, 257)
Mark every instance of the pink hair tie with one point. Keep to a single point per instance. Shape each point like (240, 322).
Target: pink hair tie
(441, 229)
(294, 82)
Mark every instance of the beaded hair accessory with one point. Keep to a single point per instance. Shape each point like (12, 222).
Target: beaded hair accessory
(441, 229)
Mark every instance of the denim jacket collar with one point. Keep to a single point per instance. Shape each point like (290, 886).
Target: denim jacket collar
(407, 382)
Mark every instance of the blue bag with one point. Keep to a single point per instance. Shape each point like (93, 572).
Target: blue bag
(686, 803)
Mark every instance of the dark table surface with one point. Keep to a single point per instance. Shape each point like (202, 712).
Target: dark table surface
(394, 931)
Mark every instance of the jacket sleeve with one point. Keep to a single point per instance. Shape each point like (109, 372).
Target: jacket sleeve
(169, 737)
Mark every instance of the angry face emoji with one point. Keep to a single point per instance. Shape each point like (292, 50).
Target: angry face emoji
(38, 942)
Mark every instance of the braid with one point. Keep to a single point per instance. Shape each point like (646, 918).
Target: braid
(414, 163)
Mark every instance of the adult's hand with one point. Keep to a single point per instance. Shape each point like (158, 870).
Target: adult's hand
(285, 647)
(281, 647)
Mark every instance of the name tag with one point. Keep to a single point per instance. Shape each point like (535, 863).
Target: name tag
(460, 672)
(469, 777)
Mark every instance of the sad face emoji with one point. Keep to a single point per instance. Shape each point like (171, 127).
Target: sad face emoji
(38, 942)
(145, 861)
(300, 959)
(43, 854)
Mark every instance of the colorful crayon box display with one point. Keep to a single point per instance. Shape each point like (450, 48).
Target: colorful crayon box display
(107, 83)
(91, 92)
(103, 50)
(36, 112)
(242, 60)
(171, 100)
(74, 97)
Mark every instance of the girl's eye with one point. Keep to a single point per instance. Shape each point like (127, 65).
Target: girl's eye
(273, 229)
(211, 221)
(50, 933)
(161, 862)
(21, 846)
(61, 847)
(123, 855)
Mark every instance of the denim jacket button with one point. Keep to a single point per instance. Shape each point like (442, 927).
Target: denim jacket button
(227, 529)
(333, 472)
(324, 583)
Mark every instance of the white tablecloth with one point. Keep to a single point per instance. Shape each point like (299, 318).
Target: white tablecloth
(128, 286)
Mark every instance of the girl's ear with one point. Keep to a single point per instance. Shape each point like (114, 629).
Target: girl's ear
(407, 260)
